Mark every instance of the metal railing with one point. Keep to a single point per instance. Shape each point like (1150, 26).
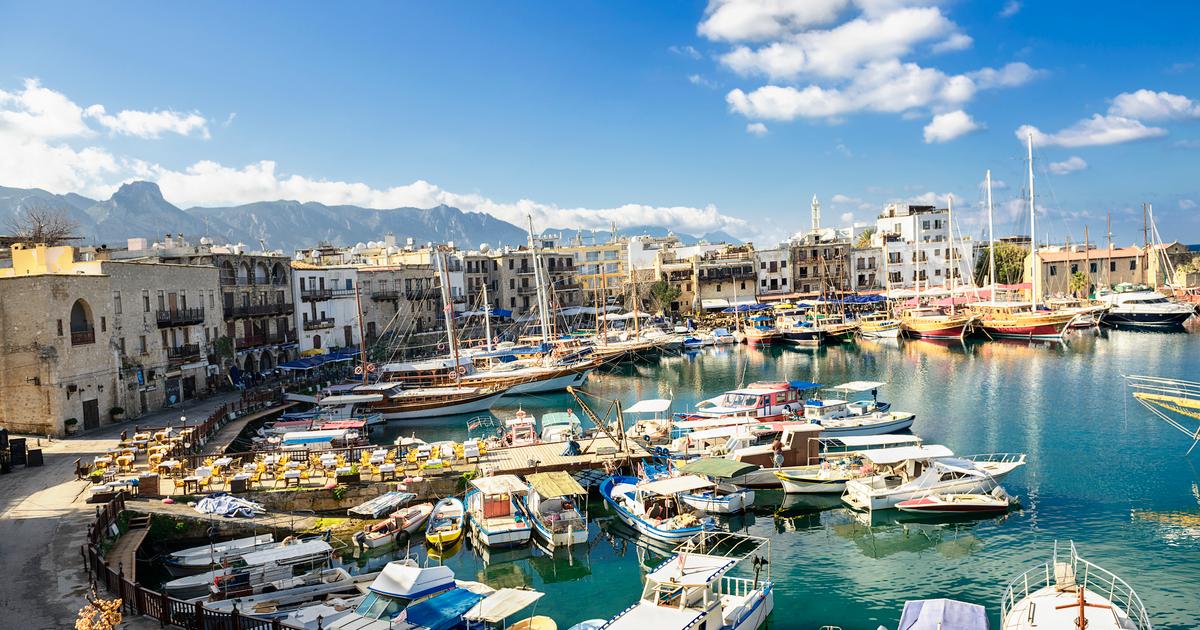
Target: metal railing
(83, 337)
(385, 294)
(318, 324)
(180, 317)
(250, 341)
(184, 352)
(256, 310)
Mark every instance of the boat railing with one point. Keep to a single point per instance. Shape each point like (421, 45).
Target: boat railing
(995, 458)
(1087, 575)
(575, 523)
(737, 586)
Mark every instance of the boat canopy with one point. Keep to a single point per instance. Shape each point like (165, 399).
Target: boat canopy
(692, 570)
(284, 552)
(859, 386)
(314, 437)
(502, 604)
(905, 453)
(718, 467)
(444, 363)
(376, 387)
(722, 432)
(556, 418)
(441, 611)
(674, 485)
(935, 614)
(804, 385)
(404, 580)
(859, 441)
(500, 484)
(349, 399)
(551, 485)
(653, 405)
(713, 422)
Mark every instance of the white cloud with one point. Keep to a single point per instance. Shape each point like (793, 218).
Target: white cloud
(838, 52)
(840, 198)
(753, 20)
(956, 41)
(702, 81)
(1068, 166)
(685, 51)
(38, 112)
(1011, 75)
(1011, 8)
(757, 129)
(948, 126)
(847, 218)
(1150, 105)
(149, 124)
(1187, 204)
(1094, 131)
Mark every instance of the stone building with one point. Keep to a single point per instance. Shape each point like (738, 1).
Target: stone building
(400, 300)
(819, 265)
(866, 269)
(725, 277)
(1103, 267)
(774, 275)
(82, 338)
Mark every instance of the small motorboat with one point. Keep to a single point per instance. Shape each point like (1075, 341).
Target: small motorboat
(205, 557)
(445, 524)
(959, 503)
(382, 504)
(411, 518)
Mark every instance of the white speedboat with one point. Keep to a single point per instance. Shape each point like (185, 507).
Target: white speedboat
(557, 505)
(1070, 593)
(204, 558)
(839, 417)
(917, 471)
(254, 570)
(1145, 309)
(560, 426)
(495, 511)
(290, 594)
(694, 589)
(407, 597)
(653, 508)
(722, 337)
(383, 504)
(841, 461)
(994, 502)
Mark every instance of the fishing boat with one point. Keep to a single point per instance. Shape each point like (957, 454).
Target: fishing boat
(653, 508)
(651, 420)
(929, 322)
(1145, 308)
(993, 502)
(445, 524)
(398, 525)
(879, 326)
(290, 594)
(912, 472)
(409, 597)
(841, 461)
(557, 505)
(560, 426)
(1070, 593)
(254, 570)
(801, 332)
(759, 400)
(496, 513)
(695, 588)
(520, 430)
(693, 342)
(382, 504)
(762, 334)
(205, 557)
(722, 496)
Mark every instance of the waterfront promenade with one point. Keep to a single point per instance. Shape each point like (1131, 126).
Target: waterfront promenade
(44, 518)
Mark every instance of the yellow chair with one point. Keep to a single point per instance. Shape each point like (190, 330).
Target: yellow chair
(179, 485)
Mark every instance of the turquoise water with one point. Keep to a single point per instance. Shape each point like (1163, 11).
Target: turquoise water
(1101, 471)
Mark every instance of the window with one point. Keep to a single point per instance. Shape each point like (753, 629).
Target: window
(743, 284)
(121, 343)
(1133, 265)
(763, 283)
(60, 328)
(103, 324)
(762, 265)
(783, 264)
(1074, 268)
(1112, 265)
(1054, 270)
(162, 301)
(145, 301)
(1092, 268)
(211, 300)
(510, 263)
(116, 302)
(783, 282)
(142, 344)
(718, 288)
(924, 225)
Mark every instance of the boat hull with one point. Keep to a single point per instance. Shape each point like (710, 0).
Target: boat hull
(1052, 330)
(814, 337)
(514, 535)
(557, 383)
(927, 506)
(856, 498)
(898, 423)
(641, 526)
(1146, 320)
(473, 404)
(733, 503)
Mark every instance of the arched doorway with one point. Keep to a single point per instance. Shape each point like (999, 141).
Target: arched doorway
(83, 329)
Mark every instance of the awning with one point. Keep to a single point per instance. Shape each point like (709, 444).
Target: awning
(859, 386)
(500, 484)
(502, 604)
(718, 467)
(654, 405)
(803, 385)
(905, 453)
(443, 611)
(675, 485)
(611, 317)
(551, 485)
(350, 399)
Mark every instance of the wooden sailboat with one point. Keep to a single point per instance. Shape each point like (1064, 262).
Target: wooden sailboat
(927, 322)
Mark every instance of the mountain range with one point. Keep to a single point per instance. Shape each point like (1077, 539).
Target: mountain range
(138, 209)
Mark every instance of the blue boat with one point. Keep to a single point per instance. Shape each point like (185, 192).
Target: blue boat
(653, 508)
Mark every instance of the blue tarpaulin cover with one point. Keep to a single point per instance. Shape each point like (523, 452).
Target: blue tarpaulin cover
(444, 611)
(942, 614)
(309, 363)
(803, 385)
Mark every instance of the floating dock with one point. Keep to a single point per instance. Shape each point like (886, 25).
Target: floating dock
(596, 453)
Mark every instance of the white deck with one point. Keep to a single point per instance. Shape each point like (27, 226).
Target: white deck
(1040, 611)
(645, 615)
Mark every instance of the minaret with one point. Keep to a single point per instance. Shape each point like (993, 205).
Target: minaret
(816, 214)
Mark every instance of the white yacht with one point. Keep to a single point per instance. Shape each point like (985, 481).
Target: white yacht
(1145, 309)
(694, 589)
(913, 472)
(252, 571)
(204, 557)
(840, 462)
(1070, 593)
(849, 416)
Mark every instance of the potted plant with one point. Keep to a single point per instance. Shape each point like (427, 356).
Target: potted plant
(70, 423)
(350, 477)
(117, 413)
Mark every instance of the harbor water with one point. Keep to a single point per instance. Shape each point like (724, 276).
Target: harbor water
(1102, 471)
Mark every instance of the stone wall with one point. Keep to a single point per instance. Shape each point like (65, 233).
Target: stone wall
(324, 501)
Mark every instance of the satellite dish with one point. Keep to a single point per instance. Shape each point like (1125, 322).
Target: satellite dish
(484, 248)
(314, 254)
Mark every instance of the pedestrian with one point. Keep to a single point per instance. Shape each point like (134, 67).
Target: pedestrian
(777, 453)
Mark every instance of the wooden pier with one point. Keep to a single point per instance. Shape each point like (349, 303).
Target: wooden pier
(123, 555)
(596, 453)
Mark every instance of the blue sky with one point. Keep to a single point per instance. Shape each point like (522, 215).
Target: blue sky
(694, 115)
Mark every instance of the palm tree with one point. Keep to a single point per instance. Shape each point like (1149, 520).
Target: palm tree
(1078, 284)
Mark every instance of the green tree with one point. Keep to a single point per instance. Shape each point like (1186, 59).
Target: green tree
(864, 238)
(1010, 264)
(224, 347)
(1079, 284)
(662, 294)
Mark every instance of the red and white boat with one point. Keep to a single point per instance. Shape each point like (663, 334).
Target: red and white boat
(996, 501)
(758, 402)
(1019, 320)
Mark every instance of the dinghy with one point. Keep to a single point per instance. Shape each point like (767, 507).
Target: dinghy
(961, 503)
(383, 504)
(445, 524)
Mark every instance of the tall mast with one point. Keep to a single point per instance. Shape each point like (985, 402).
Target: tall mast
(991, 237)
(487, 317)
(543, 309)
(950, 254)
(1108, 262)
(362, 333)
(448, 311)
(917, 254)
(637, 325)
(1034, 266)
(887, 279)
(1087, 262)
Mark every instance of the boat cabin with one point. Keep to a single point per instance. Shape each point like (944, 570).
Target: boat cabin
(800, 447)
(757, 400)
(429, 373)
(399, 585)
(561, 426)
(520, 430)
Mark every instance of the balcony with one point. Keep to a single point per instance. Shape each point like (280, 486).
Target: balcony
(258, 310)
(250, 341)
(423, 293)
(318, 324)
(280, 338)
(180, 317)
(83, 337)
(526, 290)
(385, 294)
(183, 354)
(320, 295)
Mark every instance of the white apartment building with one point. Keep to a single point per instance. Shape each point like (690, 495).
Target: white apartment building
(773, 272)
(916, 240)
(326, 306)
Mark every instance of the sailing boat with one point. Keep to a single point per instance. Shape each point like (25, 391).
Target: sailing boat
(928, 322)
(1023, 320)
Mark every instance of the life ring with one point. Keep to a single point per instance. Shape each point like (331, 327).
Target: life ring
(441, 346)
(462, 369)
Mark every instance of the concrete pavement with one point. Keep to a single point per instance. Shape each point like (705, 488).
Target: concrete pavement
(43, 524)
